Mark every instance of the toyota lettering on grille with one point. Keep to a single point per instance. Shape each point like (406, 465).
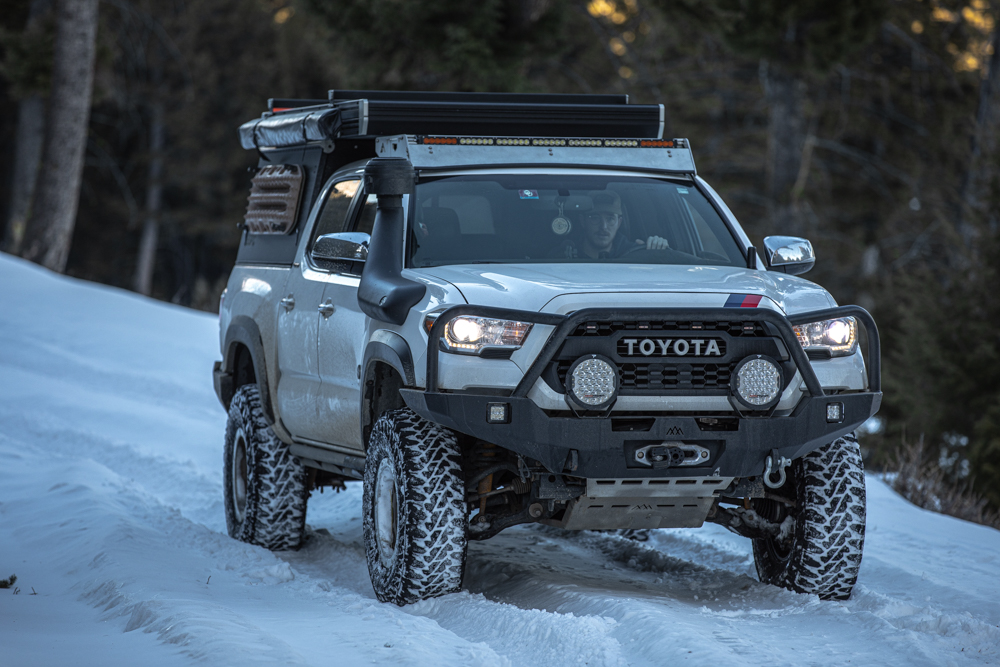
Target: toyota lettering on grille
(671, 347)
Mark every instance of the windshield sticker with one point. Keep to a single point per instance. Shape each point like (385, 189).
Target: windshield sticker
(528, 194)
(681, 190)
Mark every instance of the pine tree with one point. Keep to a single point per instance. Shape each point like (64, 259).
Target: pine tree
(796, 44)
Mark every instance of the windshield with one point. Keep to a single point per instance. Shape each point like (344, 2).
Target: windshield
(533, 218)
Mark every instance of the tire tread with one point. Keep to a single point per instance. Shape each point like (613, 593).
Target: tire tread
(276, 488)
(829, 534)
(431, 535)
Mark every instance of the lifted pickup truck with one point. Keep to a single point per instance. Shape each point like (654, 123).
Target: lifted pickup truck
(504, 309)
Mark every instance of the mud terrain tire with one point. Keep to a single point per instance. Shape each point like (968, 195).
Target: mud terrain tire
(824, 555)
(414, 509)
(265, 486)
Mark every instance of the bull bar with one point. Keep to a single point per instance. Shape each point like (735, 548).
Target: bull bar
(600, 447)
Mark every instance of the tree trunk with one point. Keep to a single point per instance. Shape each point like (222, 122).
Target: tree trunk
(982, 173)
(154, 190)
(786, 144)
(27, 154)
(53, 211)
(28, 140)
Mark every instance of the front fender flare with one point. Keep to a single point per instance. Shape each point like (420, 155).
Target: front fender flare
(389, 348)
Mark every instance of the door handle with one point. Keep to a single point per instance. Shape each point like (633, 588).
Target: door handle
(326, 308)
(288, 302)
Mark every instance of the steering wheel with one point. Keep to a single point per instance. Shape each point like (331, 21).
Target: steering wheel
(645, 246)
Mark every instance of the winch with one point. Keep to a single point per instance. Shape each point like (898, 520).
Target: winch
(670, 454)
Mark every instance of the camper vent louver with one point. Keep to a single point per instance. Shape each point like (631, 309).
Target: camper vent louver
(274, 199)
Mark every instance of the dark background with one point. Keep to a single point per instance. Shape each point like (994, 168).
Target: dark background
(867, 126)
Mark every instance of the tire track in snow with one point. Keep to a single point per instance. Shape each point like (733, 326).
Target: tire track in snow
(214, 599)
(175, 484)
(669, 605)
(522, 635)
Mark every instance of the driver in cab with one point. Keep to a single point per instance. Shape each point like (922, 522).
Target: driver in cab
(600, 237)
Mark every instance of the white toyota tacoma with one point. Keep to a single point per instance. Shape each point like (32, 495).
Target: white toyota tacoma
(506, 309)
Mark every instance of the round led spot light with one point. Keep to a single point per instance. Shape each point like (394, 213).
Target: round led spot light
(757, 382)
(592, 382)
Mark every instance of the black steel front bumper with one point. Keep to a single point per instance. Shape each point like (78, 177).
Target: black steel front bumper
(605, 446)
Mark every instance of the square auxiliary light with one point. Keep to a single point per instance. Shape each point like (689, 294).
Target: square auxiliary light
(834, 412)
(498, 413)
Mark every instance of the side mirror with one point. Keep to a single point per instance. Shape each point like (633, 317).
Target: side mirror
(339, 251)
(789, 254)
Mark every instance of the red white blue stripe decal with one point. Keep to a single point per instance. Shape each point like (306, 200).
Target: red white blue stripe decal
(742, 301)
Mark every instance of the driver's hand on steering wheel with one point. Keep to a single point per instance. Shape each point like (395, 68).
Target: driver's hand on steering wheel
(656, 243)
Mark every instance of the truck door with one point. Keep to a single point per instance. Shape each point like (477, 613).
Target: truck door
(300, 311)
(341, 344)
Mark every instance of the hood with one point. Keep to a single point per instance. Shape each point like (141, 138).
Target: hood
(534, 286)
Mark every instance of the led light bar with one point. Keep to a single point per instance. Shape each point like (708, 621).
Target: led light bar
(443, 151)
(548, 141)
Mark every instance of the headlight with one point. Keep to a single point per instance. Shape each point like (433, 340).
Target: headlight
(469, 335)
(837, 337)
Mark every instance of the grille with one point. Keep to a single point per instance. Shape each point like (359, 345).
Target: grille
(651, 377)
(660, 374)
(736, 329)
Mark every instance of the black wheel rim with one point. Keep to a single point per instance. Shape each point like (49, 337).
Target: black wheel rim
(772, 510)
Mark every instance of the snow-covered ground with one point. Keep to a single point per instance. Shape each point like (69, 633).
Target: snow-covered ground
(111, 518)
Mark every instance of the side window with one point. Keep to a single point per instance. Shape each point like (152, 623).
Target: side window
(366, 220)
(333, 217)
(361, 220)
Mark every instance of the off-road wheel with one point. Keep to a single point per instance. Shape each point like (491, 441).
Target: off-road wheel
(414, 509)
(822, 555)
(265, 486)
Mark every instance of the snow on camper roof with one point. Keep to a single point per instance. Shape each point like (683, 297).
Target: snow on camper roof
(437, 152)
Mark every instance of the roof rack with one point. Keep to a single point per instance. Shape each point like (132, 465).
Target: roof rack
(278, 104)
(483, 98)
(370, 114)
